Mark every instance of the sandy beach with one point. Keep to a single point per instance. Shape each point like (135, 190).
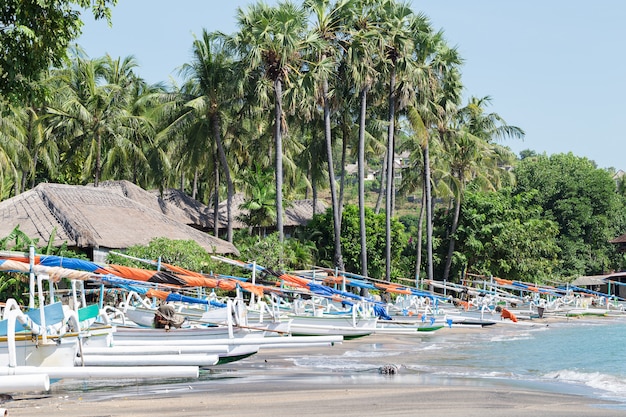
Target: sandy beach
(267, 384)
(301, 399)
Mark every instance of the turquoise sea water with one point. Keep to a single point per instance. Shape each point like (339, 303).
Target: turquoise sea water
(578, 356)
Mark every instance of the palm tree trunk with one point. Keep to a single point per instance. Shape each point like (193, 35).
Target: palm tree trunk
(30, 144)
(338, 261)
(429, 214)
(229, 182)
(361, 167)
(455, 225)
(344, 153)
(381, 189)
(194, 189)
(311, 176)
(420, 231)
(278, 139)
(216, 201)
(314, 196)
(96, 180)
(389, 191)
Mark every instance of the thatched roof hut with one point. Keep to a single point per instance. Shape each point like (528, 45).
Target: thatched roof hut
(190, 211)
(174, 203)
(200, 216)
(297, 213)
(114, 216)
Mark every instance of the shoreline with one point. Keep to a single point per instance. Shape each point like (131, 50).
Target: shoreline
(271, 383)
(297, 397)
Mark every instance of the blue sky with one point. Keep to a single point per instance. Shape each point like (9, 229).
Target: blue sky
(554, 68)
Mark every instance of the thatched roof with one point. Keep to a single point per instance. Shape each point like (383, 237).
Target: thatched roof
(191, 212)
(174, 203)
(619, 239)
(115, 216)
(194, 213)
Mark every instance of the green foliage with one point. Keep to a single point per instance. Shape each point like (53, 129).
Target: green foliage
(35, 34)
(183, 253)
(15, 285)
(17, 241)
(320, 231)
(292, 254)
(555, 222)
(562, 208)
(583, 201)
(505, 235)
(260, 199)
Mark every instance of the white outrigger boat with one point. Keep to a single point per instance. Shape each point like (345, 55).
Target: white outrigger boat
(43, 342)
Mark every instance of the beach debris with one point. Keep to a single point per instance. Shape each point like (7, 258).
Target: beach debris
(388, 369)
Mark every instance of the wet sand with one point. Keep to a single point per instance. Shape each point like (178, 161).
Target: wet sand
(268, 384)
(301, 399)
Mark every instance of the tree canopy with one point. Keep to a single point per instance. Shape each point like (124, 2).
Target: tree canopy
(34, 35)
(282, 110)
(506, 235)
(583, 201)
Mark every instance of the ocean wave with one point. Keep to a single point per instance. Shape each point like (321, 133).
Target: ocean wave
(611, 385)
(457, 373)
(435, 346)
(370, 354)
(336, 364)
(510, 338)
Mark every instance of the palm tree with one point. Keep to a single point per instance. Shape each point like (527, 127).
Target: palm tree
(328, 27)
(271, 42)
(41, 154)
(399, 25)
(360, 60)
(259, 200)
(92, 107)
(143, 160)
(41, 144)
(12, 147)
(446, 96)
(212, 72)
(413, 178)
(473, 156)
(438, 90)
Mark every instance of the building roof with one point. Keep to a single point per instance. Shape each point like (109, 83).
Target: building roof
(590, 280)
(116, 215)
(619, 239)
(186, 209)
(599, 279)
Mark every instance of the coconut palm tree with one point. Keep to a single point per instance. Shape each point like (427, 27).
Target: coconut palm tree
(436, 80)
(259, 200)
(13, 139)
(361, 58)
(27, 122)
(473, 156)
(92, 106)
(446, 96)
(142, 161)
(41, 144)
(271, 42)
(212, 75)
(399, 25)
(328, 26)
